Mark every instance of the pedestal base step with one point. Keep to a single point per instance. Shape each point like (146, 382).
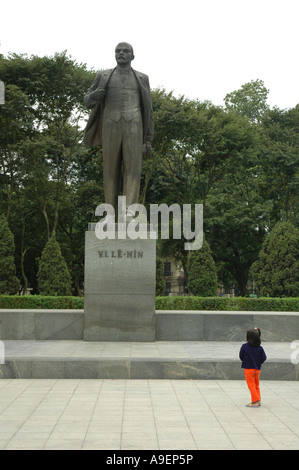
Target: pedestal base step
(197, 360)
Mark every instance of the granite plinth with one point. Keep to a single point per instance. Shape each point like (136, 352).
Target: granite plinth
(213, 325)
(119, 288)
(41, 324)
(170, 325)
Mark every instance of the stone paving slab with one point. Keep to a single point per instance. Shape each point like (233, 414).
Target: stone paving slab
(133, 360)
(132, 415)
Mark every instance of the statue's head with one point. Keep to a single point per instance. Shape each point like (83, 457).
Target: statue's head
(124, 53)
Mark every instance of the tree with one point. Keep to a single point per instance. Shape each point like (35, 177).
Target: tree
(250, 100)
(279, 162)
(202, 279)
(16, 122)
(160, 281)
(276, 272)
(53, 274)
(9, 283)
(41, 156)
(197, 145)
(236, 219)
(192, 143)
(53, 88)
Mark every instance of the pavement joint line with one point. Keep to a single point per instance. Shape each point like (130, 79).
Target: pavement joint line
(153, 412)
(275, 414)
(92, 414)
(123, 415)
(25, 419)
(217, 418)
(183, 411)
(244, 414)
(60, 414)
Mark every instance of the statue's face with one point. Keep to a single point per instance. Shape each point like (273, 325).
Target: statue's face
(124, 53)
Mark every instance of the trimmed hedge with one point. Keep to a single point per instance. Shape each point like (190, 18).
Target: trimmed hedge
(41, 302)
(266, 304)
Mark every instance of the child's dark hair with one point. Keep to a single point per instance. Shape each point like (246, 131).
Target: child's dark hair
(254, 337)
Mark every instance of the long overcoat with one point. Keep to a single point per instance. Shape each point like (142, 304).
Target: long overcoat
(93, 130)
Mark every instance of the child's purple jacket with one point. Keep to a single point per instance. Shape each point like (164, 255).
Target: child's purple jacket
(252, 357)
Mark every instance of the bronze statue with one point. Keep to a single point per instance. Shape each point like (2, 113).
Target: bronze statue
(122, 122)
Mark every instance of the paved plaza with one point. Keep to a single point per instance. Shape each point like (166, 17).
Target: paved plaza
(77, 414)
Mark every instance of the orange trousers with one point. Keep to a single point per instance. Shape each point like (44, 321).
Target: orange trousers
(252, 377)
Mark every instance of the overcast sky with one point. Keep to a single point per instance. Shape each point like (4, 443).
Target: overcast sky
(202, 49)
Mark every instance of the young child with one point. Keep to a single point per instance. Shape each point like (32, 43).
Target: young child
(252, 356)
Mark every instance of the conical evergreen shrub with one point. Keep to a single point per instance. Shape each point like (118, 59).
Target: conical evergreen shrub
(9, 283)
(53, 275)
(160, 281)
(276, 273)
(202, 273)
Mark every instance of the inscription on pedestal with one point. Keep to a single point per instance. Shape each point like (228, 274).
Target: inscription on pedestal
(120, 254)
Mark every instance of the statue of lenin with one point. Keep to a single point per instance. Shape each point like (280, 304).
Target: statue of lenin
(122, 122)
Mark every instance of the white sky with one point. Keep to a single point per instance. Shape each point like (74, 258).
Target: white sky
(202, 49)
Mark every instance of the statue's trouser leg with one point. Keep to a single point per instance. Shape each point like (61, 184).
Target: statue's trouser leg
(122, 142)
(132, 159)
(112, 147)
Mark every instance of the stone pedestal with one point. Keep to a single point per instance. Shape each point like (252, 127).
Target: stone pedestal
(119, 288)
